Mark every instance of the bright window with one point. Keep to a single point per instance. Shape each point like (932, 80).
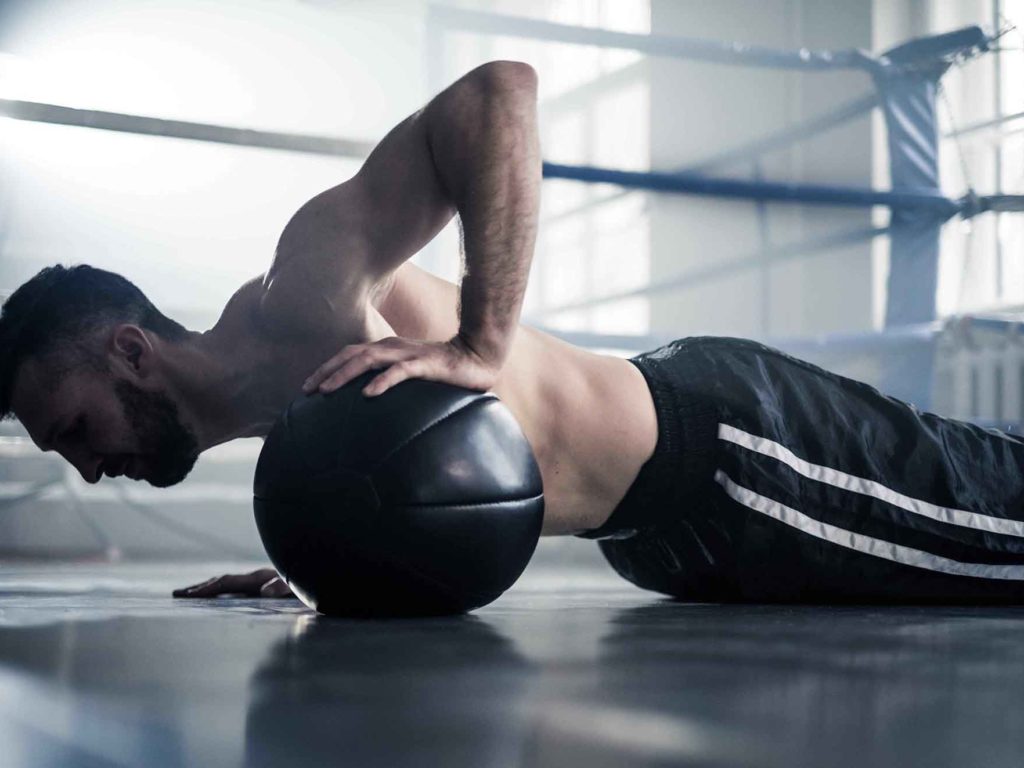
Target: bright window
(594, 110)
(982, 262)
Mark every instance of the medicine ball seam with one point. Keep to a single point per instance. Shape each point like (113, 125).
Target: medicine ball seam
(486, 396)
(448, 505)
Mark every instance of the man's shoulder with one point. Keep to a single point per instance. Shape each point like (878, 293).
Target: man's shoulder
(243, 309)
(318, 277)
(296, 299)
(269, 309)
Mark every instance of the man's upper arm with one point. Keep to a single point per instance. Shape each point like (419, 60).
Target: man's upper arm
(344, 240)
(377, 219)
(409, 187)
(402, 195)
(361, 230)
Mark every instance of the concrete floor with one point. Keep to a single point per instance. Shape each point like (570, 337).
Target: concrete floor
(100, 667)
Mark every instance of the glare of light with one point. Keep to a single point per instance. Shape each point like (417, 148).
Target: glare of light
(302, 625)
(110, 162)
(16, 77)
(87, 61)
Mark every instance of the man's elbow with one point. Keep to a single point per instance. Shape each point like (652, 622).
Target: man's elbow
(505, 89)
(502, 77)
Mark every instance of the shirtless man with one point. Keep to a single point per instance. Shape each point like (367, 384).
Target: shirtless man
(340, 289)
(733, 471)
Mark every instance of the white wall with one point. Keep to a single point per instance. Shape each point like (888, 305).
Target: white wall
(698, 109)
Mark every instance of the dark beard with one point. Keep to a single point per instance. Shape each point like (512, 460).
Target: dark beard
(170, 448)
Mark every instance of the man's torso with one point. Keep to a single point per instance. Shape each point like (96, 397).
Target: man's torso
(589, 418)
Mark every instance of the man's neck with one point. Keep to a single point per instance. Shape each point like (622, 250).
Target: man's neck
(234, 381)
(221, 388)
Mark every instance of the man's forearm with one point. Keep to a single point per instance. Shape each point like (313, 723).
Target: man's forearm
(485, 146)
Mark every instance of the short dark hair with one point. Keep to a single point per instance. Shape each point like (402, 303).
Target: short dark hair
(59, 306)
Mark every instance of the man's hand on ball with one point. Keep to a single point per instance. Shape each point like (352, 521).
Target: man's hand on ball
(452, 362)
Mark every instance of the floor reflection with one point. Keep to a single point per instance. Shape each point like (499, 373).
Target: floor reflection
(779, 686)
(359, 693)
(549, 678)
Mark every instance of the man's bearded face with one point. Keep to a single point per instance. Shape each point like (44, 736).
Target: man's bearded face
(105, 425)
(168, 449)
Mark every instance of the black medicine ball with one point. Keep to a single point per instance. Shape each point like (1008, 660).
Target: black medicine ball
(425, 500)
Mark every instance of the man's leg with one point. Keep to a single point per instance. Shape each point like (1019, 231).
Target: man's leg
(819, 488)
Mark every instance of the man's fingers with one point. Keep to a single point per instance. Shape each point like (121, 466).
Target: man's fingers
(350, 370)
(202, 589)
(352, 351)
(219, 585)
(263, 574)
(329, 367)
(400, 359)
(397, 373)
(367, 361)
(275, 588)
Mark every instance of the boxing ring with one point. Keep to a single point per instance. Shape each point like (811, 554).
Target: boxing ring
(900, 359)
(945, 366)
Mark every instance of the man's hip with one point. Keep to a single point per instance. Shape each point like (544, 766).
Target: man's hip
(776, 480)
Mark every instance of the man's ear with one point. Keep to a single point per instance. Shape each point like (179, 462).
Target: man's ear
(131, 351)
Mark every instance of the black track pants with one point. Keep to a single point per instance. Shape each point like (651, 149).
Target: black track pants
(774, 480)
